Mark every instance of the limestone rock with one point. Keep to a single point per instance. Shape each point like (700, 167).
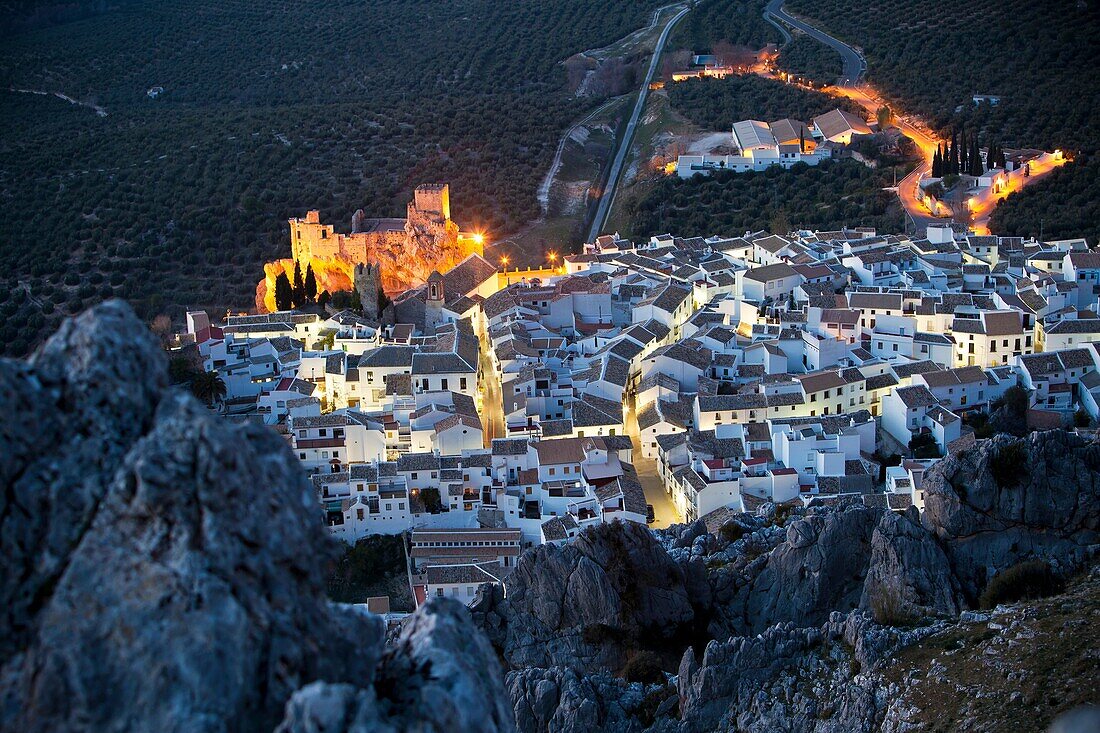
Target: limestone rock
(164, 569)
(437, 677)
(909, 575)
(586, 604)
(1050, 509)
(819, 568)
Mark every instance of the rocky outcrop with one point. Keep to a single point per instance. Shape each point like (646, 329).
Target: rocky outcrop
(1009, 499)
(164, 569)
(818, 568)
(440, 675)
(588, 604)
(562, 701)
(909, 576)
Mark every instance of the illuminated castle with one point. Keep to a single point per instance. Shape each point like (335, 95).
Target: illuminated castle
(407, 250)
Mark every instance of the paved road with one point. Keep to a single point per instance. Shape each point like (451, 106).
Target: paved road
(849, 85)
(854, 65)
(492, 414)
(613, 175)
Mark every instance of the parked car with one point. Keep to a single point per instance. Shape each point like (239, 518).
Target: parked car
(650, 517)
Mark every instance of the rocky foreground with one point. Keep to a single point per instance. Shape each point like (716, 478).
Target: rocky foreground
(164, 570)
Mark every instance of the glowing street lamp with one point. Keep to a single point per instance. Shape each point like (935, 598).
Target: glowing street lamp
(504, 261)
(553, 257)
(479, 238)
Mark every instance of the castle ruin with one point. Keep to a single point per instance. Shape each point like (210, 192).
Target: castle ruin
(406, 250)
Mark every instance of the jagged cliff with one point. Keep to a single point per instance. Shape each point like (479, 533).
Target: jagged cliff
(814, 621)
(164, 571)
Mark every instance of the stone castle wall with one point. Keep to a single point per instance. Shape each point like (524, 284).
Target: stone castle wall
(430, 240)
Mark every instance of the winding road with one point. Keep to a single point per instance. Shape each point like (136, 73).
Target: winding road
(612, 184)
(850, 86)
(854, 64)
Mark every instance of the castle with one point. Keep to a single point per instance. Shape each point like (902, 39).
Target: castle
(406, 250)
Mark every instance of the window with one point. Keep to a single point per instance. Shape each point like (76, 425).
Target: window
(552, 471)
(462, 383)
(302, 456)
(443, 383)
(439, 592)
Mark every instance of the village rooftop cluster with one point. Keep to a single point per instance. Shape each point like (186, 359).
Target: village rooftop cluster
(488, 411)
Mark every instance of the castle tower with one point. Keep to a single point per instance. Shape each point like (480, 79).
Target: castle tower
(433, 306)
(367, 280)
(433, 199)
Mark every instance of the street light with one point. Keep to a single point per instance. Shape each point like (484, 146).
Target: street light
(504, 261)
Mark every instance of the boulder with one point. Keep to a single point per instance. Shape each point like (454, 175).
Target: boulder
(1008, 499)
(819, 568)
(588, 604)
(438, 677)
(909, 575)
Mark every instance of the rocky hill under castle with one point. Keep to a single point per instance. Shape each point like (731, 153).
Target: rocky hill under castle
(164, 570)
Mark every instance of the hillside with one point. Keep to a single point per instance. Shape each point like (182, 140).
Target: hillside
(824, 197)
(1039, 58)
(262, 110)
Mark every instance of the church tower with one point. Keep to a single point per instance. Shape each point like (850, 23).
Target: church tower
(433, 306)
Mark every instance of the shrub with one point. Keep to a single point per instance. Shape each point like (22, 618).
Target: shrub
(888, 609)
(1026, 580)
(1009, 465)
(643, 667)
(432, 501)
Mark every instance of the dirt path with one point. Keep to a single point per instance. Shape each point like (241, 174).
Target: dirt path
(94, 107)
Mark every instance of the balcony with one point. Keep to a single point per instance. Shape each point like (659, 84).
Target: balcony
(319, 443)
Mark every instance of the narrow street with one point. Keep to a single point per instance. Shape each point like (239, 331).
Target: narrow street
(663, 509)
(492, 415)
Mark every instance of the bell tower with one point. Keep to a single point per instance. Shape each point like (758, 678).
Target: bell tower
(433, 306)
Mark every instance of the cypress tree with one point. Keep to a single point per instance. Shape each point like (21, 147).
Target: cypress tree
(299, 286)
(284, 293)
(310, 284)
(937, 166)
(975, 159)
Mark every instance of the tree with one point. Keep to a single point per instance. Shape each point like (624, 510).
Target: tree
(780, 224)
(162, 329)
(298, 296)
(323, 298)
(937, 164)
(976, 168)
(310, 284)
(208, 387)
(885, 117)
(284, 293)
(181, 370)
